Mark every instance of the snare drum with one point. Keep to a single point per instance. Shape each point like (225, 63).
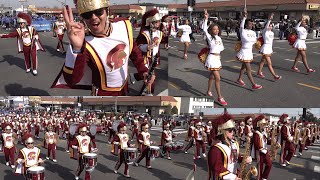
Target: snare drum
(115, 149)
(155, 151)
(35, 173)
(90, 161)
(178, 145)
(130, 154)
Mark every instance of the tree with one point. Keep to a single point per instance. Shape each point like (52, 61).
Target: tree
(168, 109)
(2, 104)
(310, 117)
(174, 110)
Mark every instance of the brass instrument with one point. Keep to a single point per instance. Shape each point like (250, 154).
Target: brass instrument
(296, 136)
(305, 136)
(275, 146)
(243, 174)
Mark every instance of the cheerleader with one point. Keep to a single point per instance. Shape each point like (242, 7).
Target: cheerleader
(185, 38)
(266, 49)
(301, 46)
(248, 39)
(213, 62)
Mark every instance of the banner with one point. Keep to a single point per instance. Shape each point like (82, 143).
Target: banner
(42, 25)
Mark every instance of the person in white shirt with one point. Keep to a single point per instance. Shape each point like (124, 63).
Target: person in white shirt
(185, 38)
(301, 46)
(245, 55)
(213, 62)
(266, 49)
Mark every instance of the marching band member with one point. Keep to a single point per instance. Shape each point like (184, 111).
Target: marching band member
(135, 127)
(51, 141)
(207, 129)
(82, 142)
(28, 41)
(112, 41)
(60, 27)
(301, 46)
(248, 39)
(287, 148)
(112, 132)
(166, 139)
(266, 49)
(28, 156)
(241, 133)
(307, 135)
(37, 128)
(248, 129)
(223, 156)
(190, 137)
(144, 144)
(213, 62)
(200, 138)
(8, 139)
(122, 139)
(259, 149)
(166, 29)
(93, 136)
(299, 135)
(150, 22)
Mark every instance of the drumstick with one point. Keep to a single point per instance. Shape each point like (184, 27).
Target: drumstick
(245, 5)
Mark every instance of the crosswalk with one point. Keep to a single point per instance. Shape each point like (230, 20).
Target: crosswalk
(176, 131)
(316, 150)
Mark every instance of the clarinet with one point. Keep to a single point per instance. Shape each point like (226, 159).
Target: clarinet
(154, 59)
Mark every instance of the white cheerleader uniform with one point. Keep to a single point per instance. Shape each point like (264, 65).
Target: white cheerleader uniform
(300, 43)
(213, 61)
(268, 37)
(248, 39)
(186, 29)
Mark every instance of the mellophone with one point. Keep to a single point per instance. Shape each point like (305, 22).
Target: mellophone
(35, 173)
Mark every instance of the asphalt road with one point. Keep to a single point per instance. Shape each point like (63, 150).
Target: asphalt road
(190, 78)
(14, 80)
(305, 167)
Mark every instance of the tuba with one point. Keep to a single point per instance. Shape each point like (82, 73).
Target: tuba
(275, 146)
(243, 174)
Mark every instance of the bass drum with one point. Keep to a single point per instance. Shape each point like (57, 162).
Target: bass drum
(73, 128)
(93, 129)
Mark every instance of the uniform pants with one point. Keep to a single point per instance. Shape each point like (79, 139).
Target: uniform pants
(9, 154)
(265, 165)
(52, 148)
(134, 133)
(288, 151)
(200, 144)
(145, 153)
(122, 159)
(27, 51)
(81, 167)
(60, 43)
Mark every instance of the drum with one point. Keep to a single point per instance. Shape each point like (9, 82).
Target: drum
(169, 146)
(155, 152)
(115, 149)
(73, 128)
(177, 146)
(130, 155)
(35, 173)
(90, 161)
(93, 129)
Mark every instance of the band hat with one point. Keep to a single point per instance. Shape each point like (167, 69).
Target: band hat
(84, 6)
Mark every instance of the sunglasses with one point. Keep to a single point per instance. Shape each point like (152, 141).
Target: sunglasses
(30, 143)
(88, 15)
(83, 131)
(231, 130)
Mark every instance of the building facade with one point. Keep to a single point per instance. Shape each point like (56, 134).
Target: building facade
(194, 105)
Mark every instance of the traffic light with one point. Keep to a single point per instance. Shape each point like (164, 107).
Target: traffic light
(189, 2)
(193, 3)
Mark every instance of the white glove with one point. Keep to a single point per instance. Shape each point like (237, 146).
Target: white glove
(264, 151)
(300, 139)
(115, 142)
(36, 37)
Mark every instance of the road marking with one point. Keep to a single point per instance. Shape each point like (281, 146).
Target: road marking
(312, 42)
(314, 87)
(201, 44)
(292, 60)
(238, 67)
(174, 85)
(232, 60)
(315, 157)
(299, 165)
(279, 48)
(315, 52)
(316, 169)
(164, 93)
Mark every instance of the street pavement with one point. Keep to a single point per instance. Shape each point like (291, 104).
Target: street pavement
(305, 167)
(16, 82)
(190, 78)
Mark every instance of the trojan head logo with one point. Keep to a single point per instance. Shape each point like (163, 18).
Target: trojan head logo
(148, 137)
(117, 57)
(25, 34)
(156, 41)
(84, 142)
(51, 137)
(124, 138)
(31, 156)
(9, 138)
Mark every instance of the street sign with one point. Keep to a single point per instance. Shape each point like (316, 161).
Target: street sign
(190, 9)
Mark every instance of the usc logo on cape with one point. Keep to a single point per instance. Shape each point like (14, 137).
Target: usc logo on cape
(117, 57)
(25, 34)
(8, 138)
(84, 142)
(31, 156)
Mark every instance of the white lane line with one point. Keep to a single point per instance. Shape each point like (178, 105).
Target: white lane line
(164, 93)
(292, 60)
(279, 48)
(316, 52)
(312, 42)
(201, 44)
(313, 151)
(315, 157)
(313, 147)
(316, 169)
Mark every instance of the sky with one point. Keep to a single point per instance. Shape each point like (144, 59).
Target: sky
(277, 111)
(52, 3)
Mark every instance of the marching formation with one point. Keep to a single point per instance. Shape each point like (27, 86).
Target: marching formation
(214, 140)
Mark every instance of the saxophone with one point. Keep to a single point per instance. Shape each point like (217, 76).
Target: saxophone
(243, 174)
(305, 136)
(275, 146)
(296, 136)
